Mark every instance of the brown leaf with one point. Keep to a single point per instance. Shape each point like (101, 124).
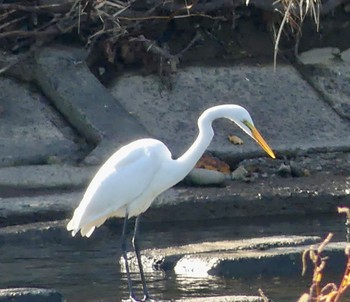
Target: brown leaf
(213, 163)
(235, 140)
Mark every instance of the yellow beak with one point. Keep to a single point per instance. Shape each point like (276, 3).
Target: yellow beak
(257, 136)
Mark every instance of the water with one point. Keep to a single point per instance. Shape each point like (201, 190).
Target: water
(88, 269)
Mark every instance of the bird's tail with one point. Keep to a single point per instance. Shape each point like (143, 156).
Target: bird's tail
(74, 224)
(71, 227)
(85, 226)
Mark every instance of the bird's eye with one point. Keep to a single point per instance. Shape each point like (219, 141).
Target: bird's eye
(245, 122)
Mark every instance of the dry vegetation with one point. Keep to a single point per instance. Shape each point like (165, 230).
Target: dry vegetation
(26, 25)
(330, 292)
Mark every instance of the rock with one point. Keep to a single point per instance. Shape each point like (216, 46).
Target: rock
(284, 170)
(345, 55)
(204, 177)
(347, 8)
(239, 174)
(30, 295)
(318, 56)
(296, 170)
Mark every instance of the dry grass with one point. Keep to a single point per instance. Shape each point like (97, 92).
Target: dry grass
(28, 25)
(329, 292)
(294, 13)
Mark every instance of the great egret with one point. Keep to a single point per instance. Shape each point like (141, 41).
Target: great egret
(129, 181)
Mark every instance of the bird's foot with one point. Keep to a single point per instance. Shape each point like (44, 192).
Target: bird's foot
(132, 298)
(148, 299)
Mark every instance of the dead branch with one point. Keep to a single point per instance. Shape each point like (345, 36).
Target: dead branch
(53, 8)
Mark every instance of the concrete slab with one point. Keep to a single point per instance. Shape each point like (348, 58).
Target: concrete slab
(268, 256)
(63, 75)
(199, 259)
(30, 131)
(332, 80)
(20, 210)
(276, 261)
(276, 196)
(46, 177)
(267, 197)
(289, 113)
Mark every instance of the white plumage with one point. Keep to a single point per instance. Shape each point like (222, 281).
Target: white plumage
(129, 181)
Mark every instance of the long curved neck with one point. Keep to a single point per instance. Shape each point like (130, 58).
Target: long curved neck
(189, 159)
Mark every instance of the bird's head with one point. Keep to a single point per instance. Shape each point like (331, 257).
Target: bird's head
(243, 119)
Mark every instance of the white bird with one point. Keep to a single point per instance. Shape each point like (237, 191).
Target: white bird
(128, 182)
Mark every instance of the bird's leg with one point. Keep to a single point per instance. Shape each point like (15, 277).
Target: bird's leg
(124, 252)
(138, 256)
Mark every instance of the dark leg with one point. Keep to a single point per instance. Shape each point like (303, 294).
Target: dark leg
(138, 256)
(123, 239)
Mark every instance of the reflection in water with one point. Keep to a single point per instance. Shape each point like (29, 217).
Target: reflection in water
(88, 269)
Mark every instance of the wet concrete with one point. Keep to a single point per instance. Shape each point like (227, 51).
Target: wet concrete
(320, 194)
(229, 258)
(223, 299)
(30, 295)
(45, 254)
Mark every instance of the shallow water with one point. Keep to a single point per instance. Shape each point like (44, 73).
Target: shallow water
(88, 269)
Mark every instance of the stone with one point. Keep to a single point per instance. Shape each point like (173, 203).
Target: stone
(30, 295)
(284, 170)
(345, 55)
(205, 177)
(239, 174)
(318, 56)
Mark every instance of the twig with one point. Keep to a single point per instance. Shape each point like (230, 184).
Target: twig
(197, 37)
(14, 21)
(152, 47)
(284, 20)
(30, 8)
(7, 14)
(26, 34)
(22, 57)
(170, 17)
